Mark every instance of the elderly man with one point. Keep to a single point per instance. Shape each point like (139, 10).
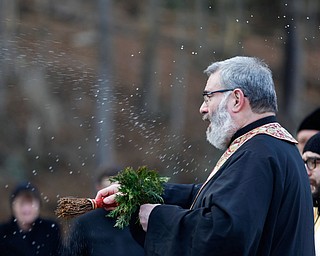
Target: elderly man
(257, 199)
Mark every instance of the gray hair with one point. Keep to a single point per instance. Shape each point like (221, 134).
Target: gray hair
(252, 76)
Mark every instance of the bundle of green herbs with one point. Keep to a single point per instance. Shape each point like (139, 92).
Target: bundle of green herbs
(137, 187)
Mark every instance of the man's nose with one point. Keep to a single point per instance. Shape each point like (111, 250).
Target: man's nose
(203, 108)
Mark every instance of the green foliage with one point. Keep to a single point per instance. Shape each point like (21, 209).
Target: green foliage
(137, 187)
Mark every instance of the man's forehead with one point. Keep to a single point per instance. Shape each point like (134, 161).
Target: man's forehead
(213, 82)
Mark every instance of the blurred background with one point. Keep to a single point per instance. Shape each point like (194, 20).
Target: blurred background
(89, 84)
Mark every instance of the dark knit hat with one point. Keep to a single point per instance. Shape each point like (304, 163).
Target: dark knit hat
(313, 144)
(25, 188)
(311, 122)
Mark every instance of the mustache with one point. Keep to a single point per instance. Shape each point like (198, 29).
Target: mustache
(206, 117)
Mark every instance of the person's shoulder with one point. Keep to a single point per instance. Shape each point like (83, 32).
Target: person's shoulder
(4, 226)
(100, 212)
(48, 223)
(8, 223)
(264, 146)
(7, 227)
(45, 220)
(95, 216)
(4, 223)
(267, 141)
(96, 219)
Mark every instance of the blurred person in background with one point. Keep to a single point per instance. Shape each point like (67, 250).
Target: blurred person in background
(309, 126)
(26, 233)
(311, 157)
(94, 234)
(257, 199)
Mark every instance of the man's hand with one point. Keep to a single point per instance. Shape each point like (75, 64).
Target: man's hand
(144, 214)
(108, 195)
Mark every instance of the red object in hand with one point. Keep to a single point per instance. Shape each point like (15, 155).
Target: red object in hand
(97, 203)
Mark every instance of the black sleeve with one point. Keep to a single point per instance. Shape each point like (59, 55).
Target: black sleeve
(180, 194)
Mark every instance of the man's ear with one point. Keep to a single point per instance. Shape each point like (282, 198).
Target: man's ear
(238, 100)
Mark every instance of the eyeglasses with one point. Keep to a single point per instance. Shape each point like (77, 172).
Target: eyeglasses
(312, 162)
(207, 94)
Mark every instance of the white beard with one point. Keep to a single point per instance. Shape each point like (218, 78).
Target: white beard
(221, 127)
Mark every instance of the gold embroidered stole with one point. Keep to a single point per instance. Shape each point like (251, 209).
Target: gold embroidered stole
(272, 129)
(316, 229)
(316, 219)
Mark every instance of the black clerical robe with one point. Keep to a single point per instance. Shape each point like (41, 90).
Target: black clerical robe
(257, 203)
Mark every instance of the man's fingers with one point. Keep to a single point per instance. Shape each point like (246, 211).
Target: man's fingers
(105, 192)
(110, 200)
